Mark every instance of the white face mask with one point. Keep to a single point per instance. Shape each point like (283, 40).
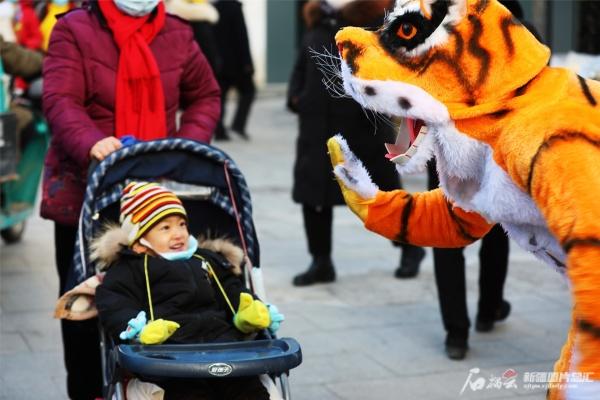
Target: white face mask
(177, 255)
(136, 8)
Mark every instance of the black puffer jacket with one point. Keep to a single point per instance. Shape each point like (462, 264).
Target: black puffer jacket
(322, 115)
(181, 292)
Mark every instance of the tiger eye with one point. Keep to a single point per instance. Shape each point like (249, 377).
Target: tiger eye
(407, 31)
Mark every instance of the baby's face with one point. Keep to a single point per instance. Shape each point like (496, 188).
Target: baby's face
(169, 235)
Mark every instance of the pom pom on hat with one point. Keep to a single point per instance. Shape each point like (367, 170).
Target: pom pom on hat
(143, 204)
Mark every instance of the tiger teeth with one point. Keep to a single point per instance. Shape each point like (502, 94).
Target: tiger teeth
(403, 159)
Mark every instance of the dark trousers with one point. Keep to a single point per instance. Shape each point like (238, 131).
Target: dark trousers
(81, 342)
(317, 226)
(244, 85)
(449, 268)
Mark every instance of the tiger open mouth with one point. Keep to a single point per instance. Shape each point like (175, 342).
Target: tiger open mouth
(410, 135)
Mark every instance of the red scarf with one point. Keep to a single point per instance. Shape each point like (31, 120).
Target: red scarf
(139, 97)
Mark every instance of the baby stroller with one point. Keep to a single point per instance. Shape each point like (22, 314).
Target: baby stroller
(209, 184)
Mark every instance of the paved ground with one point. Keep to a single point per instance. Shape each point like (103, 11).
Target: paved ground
(367, 336)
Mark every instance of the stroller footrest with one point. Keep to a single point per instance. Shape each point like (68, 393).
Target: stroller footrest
(232, 359)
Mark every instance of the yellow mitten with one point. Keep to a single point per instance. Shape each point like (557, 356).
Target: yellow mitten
(252, 315)
(357, 187)
(157, 331)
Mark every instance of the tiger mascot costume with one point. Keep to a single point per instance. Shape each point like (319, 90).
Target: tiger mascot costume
(516, 143)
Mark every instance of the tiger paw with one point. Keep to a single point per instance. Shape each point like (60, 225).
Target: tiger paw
(357, 187)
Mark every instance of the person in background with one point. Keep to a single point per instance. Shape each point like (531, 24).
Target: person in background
(95, 55)
(18, 62)
(202, 16)
(27, 25)
(236, 70)
(53, 9)
(29, 35)
(321, 115)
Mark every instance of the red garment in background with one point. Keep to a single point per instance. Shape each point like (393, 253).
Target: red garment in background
(28, 26)
(139, 98)
(28, 33)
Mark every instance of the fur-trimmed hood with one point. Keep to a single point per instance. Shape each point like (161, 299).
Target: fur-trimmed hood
(107, 247)
(193, 11)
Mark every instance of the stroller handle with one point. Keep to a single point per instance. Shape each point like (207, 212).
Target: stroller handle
(214, 360)
(92, 167)
(126, 140)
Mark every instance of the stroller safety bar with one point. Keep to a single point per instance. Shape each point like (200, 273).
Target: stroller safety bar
(232, 359)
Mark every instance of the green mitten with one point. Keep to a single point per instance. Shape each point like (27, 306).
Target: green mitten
(158, 331)
(252, 315)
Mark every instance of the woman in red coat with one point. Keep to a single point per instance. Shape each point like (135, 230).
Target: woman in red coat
(116, 68)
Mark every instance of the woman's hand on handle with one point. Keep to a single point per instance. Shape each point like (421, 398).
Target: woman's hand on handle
(104, 147)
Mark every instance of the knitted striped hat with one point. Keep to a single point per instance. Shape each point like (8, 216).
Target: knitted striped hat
(143, 204)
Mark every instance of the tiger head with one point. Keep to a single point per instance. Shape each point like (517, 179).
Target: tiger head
(434, 62)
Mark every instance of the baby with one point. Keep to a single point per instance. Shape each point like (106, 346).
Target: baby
(190, 294)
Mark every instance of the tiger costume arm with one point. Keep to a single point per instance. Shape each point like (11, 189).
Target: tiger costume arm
(424, 219)
(401, 216)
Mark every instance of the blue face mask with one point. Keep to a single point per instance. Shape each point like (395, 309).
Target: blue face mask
(136, 8)
(182, 255)
(178, 255)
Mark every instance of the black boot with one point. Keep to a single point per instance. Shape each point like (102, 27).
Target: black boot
(486, 325)
(321, 269)
(221, 134)
(409, 261)
(456, 346)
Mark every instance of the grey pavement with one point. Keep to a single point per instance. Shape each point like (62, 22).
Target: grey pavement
(366, 336)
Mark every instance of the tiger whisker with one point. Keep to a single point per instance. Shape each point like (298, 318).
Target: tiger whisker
(329, 64)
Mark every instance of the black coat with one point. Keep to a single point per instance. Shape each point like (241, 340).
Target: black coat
(232, 41)
(321, 115)
(205, 37)
(181, 292)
